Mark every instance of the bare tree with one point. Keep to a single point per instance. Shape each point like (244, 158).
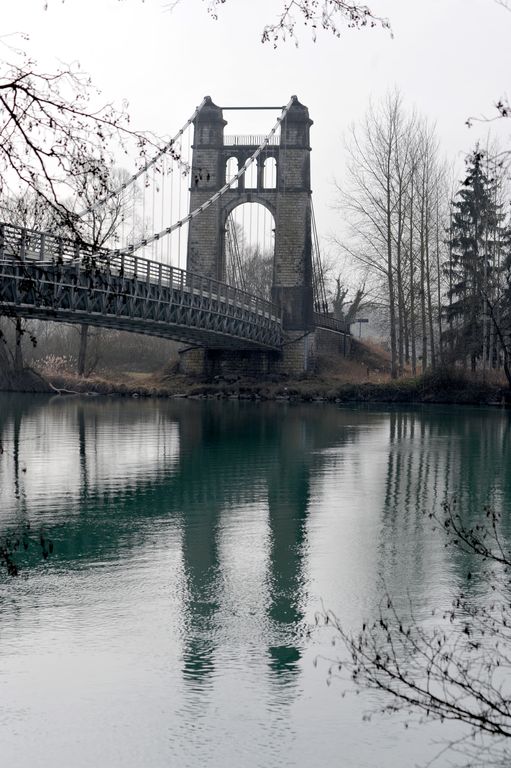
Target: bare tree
(258, 272)
(31, 212)
(100, 228)
(344, 308)
(54, 138)
(372, 199)
(429, 174)
(394, 204)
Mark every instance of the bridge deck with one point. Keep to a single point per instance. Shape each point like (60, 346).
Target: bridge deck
(53, 278)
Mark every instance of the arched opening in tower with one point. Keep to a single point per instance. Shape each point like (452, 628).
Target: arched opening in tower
(270, 173)
(231, 169)
(250, 248)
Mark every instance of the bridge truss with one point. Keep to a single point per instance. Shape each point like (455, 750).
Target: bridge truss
(52, 278)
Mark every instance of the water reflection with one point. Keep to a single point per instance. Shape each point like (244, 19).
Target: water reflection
(436, 452)
(434, 456)
(96, 473)
(227, 522)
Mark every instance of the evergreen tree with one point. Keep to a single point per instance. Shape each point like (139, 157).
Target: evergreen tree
(499, 307)
(476, 237)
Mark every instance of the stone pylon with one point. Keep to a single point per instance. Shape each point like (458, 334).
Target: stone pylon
(288, 200)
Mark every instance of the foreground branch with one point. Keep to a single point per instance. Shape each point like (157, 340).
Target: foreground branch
(461, 669)
(328, 15)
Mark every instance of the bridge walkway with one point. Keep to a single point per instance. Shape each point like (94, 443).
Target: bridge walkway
(53, 278)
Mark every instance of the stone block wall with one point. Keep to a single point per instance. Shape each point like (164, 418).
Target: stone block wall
(298, 354)
(290, 205)
(192, 361)
(225, 362)
(297, 357)
(330, 342)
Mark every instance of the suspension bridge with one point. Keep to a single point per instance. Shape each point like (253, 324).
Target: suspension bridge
(197, 279)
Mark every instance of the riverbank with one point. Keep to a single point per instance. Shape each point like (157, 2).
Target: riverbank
(444, 386)
(363, 377)
(26, 380)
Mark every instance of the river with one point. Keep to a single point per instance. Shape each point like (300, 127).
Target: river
(194, 543)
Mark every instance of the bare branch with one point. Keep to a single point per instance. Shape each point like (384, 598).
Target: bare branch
(50, 129)
(327, 15)
(457, 670)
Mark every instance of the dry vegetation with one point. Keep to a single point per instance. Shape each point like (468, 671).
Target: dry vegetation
(363, 377)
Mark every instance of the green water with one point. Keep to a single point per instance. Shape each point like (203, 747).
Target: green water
(194, 543)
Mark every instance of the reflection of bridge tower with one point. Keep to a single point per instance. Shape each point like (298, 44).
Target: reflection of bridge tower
(288, 502)
(287, 197)
(217, 447)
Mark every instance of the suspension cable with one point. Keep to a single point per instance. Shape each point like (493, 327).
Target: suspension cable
(217, 195)
(234, 265)
(317, 268)
(163, 151)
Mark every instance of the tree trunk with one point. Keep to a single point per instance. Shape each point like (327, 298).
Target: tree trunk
(400, 293)
(18, 351)
(406, 320)
(5, 363)
(392, 301)
(412, 289)
(430, 303)
(423, 289)
(82, 353)
(504, 345)
(439, 286)
(451, 325)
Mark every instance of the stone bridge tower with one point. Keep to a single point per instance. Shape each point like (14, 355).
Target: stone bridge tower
(288, 199)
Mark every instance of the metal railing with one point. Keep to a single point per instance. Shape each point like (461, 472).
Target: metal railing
(252, 140)
(105, 268)
(25, 244)
(55, 278)
(331, 323)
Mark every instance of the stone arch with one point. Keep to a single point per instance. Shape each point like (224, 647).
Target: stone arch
(249, 196)
(251, 222)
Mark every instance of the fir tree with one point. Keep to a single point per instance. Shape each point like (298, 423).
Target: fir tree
(477, 235)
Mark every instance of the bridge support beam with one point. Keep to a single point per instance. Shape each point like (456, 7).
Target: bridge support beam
(292, 274)
(296, 358)
(298, 353)
(226, 362)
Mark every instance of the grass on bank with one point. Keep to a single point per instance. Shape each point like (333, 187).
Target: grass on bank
(363, 377)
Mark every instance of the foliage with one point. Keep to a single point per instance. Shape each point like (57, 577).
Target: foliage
(459, 669)
(479, 244)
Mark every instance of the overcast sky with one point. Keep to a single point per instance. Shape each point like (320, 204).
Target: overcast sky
(450, 59)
